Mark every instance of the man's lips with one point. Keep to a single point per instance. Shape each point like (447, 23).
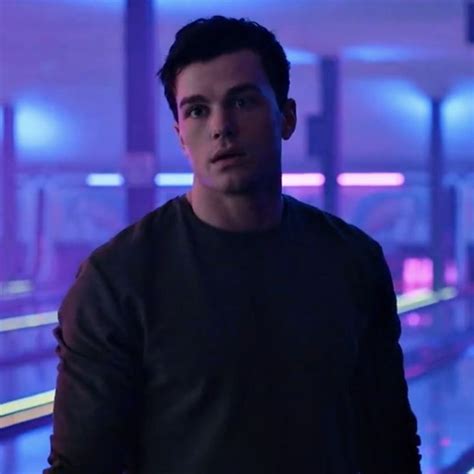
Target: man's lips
(223, 155)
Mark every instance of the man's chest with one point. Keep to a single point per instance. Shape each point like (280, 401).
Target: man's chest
(214, 315)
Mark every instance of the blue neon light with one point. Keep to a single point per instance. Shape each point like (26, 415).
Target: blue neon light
(402, 98)
(40, 130)
(458, 121)
(300, 56)
(35, 128)
(458, 107)
(288, 179)
(174, 179)
(379, 53)
(104, 179)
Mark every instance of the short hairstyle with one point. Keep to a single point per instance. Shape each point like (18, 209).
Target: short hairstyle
(207, 38)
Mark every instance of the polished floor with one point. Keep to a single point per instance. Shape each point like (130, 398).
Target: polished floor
(441, 394)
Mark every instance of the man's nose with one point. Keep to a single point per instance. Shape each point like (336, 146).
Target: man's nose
(223, 124)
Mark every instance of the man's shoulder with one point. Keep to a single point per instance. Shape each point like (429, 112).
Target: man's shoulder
(131, 247)
(342, 243)
(331, 227)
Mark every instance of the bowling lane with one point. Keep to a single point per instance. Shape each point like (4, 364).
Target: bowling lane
(25, 453)
(443, 401)
(438, 344)
(442, 397)
(27, 362)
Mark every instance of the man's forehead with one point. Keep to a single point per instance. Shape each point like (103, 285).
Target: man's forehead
(221, 74)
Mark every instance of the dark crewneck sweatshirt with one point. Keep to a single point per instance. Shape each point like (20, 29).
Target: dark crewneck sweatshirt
(186, 349)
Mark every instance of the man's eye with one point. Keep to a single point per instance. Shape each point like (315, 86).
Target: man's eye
(243, 102)
(195, 111)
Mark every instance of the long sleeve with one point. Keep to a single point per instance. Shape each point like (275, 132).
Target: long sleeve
(387, 429)
(98, 383)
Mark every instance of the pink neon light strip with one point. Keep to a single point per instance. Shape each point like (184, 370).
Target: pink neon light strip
(371, 179)
(302, 179)
(288, 179)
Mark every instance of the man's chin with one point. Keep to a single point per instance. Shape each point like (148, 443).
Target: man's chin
(243, 185)
(239, 183)
(239, 188)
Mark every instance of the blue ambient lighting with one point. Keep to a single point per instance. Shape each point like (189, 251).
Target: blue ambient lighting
(39, 129)
(174, 179)
(396, 101)
(458, 121)
(407, 99)
(378, 53)
(403, 100)
(116, 4)
(35, 128)
(172, 5)
(458, 107)
(288, 179)
(104, 179)
(300, 56)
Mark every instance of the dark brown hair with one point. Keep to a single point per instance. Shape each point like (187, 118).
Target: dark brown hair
(206, 38)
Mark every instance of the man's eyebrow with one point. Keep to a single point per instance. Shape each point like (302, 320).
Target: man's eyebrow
(199, 98)
(192, 99)
(247, 87)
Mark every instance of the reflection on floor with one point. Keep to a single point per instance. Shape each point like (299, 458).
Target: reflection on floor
(442, 399)
(444, 405)
(26, 453)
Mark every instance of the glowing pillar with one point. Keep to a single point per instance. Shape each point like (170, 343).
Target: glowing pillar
(40, 241)
(330, 79)
(437, 196)
(9, 229)
(140, 161)
(461, 235)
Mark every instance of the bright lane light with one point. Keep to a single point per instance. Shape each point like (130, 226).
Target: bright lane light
(28, 321)
(174, 179)
(288, 179)
(424, 297)
(371, 179)
(15, 287)
(27, 403)
(302, 179)
(26, 415)
(104, 179)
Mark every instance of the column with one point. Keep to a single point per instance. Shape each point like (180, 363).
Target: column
(140, 162)
(330, 86)
(437, 195)
(9, 224)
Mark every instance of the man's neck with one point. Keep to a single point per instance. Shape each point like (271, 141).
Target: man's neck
(237, 212)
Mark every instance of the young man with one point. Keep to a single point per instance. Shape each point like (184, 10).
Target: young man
(233, 330)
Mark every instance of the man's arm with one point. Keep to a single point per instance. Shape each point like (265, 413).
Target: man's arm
(387, 429)
(98, 381)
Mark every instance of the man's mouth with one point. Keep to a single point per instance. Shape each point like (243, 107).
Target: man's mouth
(224, 155)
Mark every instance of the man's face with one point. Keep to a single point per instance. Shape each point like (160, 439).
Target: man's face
(229, 124)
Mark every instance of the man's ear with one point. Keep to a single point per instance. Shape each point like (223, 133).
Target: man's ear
(180, 137)
(289, 119)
